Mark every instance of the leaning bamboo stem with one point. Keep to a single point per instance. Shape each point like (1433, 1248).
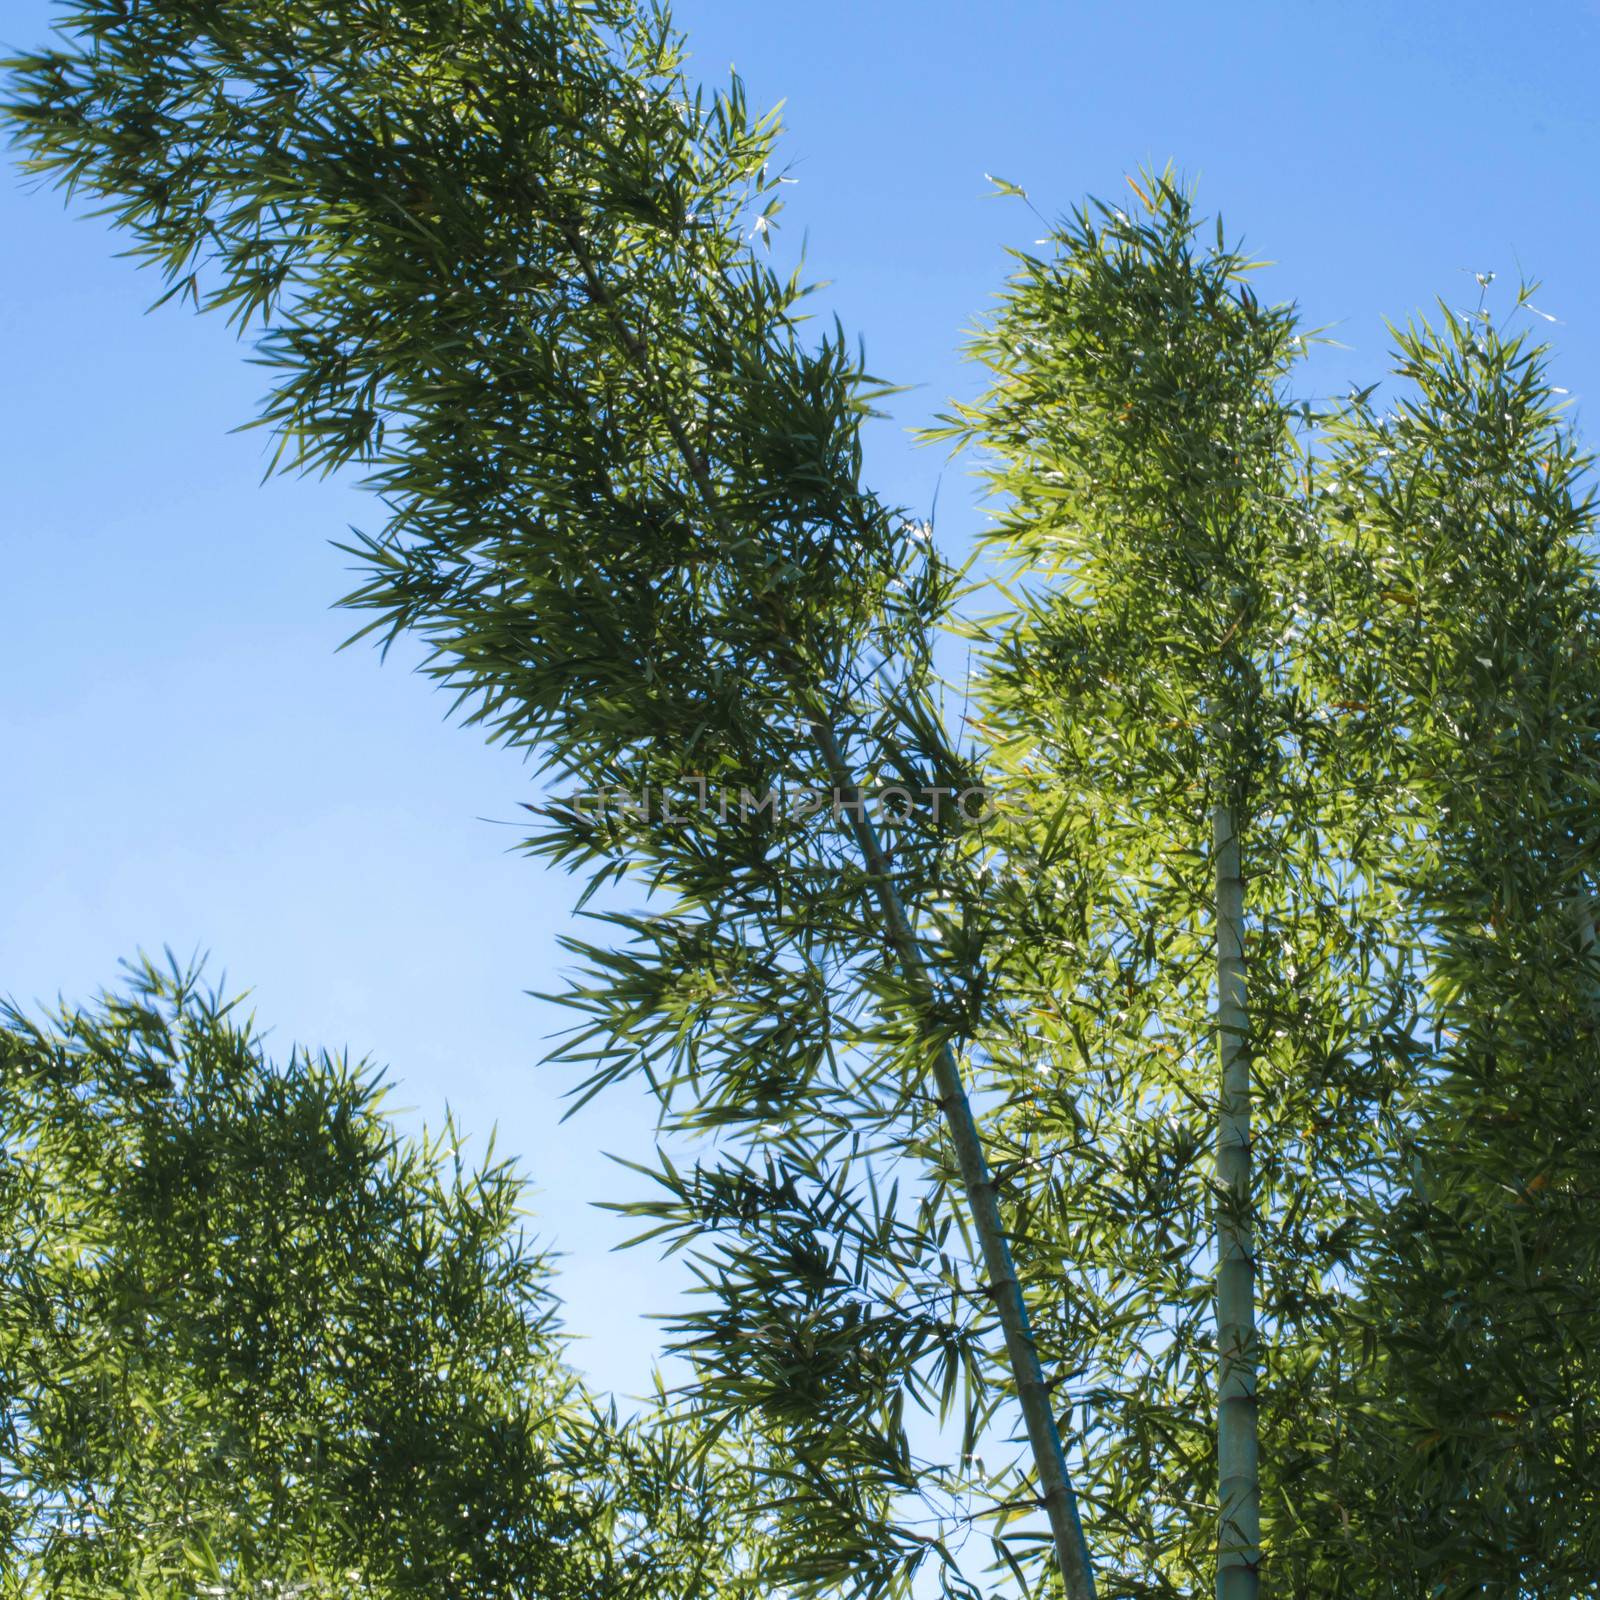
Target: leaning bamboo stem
(1033, 1394)
(1238, 1470)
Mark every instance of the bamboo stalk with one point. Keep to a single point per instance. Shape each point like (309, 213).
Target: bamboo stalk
(1583, 920)
(1033, 1394)
(1238, 1463)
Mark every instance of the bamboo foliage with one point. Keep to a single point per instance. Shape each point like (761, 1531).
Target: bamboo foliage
(1467, 507)
(1154, 674)
(1410, 736)
(501, 256)
(1217, 1102)
(256, 1341)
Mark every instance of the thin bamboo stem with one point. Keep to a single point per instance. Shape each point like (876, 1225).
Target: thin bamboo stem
(1238, 1461)
(1033, 1394)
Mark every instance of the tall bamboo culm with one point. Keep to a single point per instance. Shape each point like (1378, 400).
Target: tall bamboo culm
(1059, 1502)
(1056, 1495)
(1239, 1487)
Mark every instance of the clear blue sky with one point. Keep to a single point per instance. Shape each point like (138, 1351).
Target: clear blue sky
(187, 760)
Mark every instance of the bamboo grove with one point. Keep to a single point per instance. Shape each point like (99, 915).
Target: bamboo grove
(255, 1341)
(1197, 1130)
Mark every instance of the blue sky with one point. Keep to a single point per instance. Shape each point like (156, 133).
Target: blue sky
(188, 760)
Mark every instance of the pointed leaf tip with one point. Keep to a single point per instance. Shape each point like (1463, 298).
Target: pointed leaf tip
(1003, 186)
